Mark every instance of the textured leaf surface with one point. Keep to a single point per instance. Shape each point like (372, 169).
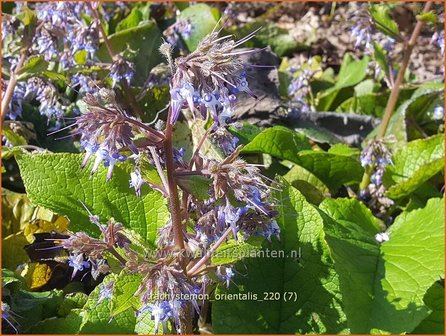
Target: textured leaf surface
(317, 309)
(278, 141)
(389, 280)
(332, 169)
(434, 323)
(99, 319)
(307, 183)
(413, 165)
(56, 182)
(124, 291)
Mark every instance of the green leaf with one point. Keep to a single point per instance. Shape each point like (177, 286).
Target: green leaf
(352, 212)
(34, 64)
(144, 40)
(381, 15)
(198, 186)
(278, 141)
(64, 325)
(124, 291)
(232, 251)
(35, 306)
(13, 250)
(145, 324)
(389, 280)
(100, 319)
(379, 54)
(13, 137)
(307, 281)
(319, 134)
(28, 16)
(434, 323)
(9, 277)
(203, 20)
(72, 301)
(131, 21)
(331, 168)
(414, 108)
(17, 211)
(352, 71)
(413, 165)
(246, 133)
(364, 88)
(429, 18)
(308, 184)
(56, 182)
(343, 149)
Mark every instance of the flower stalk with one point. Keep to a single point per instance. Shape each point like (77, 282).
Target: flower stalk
(395, 92)
(115, 58)
(174, 202)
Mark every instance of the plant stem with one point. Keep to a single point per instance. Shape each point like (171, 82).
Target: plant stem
(12, 83)
(394, 94)
(157, 134)
(128, 94)
(208, 255)
(174, 201)
(117, 255)
(159, 168)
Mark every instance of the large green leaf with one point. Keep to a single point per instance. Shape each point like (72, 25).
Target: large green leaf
(99, 319)
(144, 40)
(307, 183)
(332, 169)
(434, 323)
(203, 20)
(124, 291)
(414, 164)
(383, 285)
(56, 182)
(316, 309)
(278, 141)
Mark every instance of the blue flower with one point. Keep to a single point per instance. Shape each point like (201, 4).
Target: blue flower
(225, 274)
(78, 263)
(105, 291)
(121, 70)
(136, 181)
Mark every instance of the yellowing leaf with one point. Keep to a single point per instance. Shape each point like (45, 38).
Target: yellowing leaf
(38, 275)
(59, 225)
(13, 252)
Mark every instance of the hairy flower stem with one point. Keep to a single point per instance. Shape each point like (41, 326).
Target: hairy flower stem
(197, 267)
(174, 201)
(159, 169)
(117, 256)
(12, 83)
(128, 94)
(394, 94)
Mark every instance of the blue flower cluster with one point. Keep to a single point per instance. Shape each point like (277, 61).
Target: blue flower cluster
(66, 19)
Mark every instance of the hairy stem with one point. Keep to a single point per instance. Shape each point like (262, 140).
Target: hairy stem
(117, 255)
(394, 94)
(174, 201)
(159, 169)
(131, 101)
(197, 267)
(12, 83)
